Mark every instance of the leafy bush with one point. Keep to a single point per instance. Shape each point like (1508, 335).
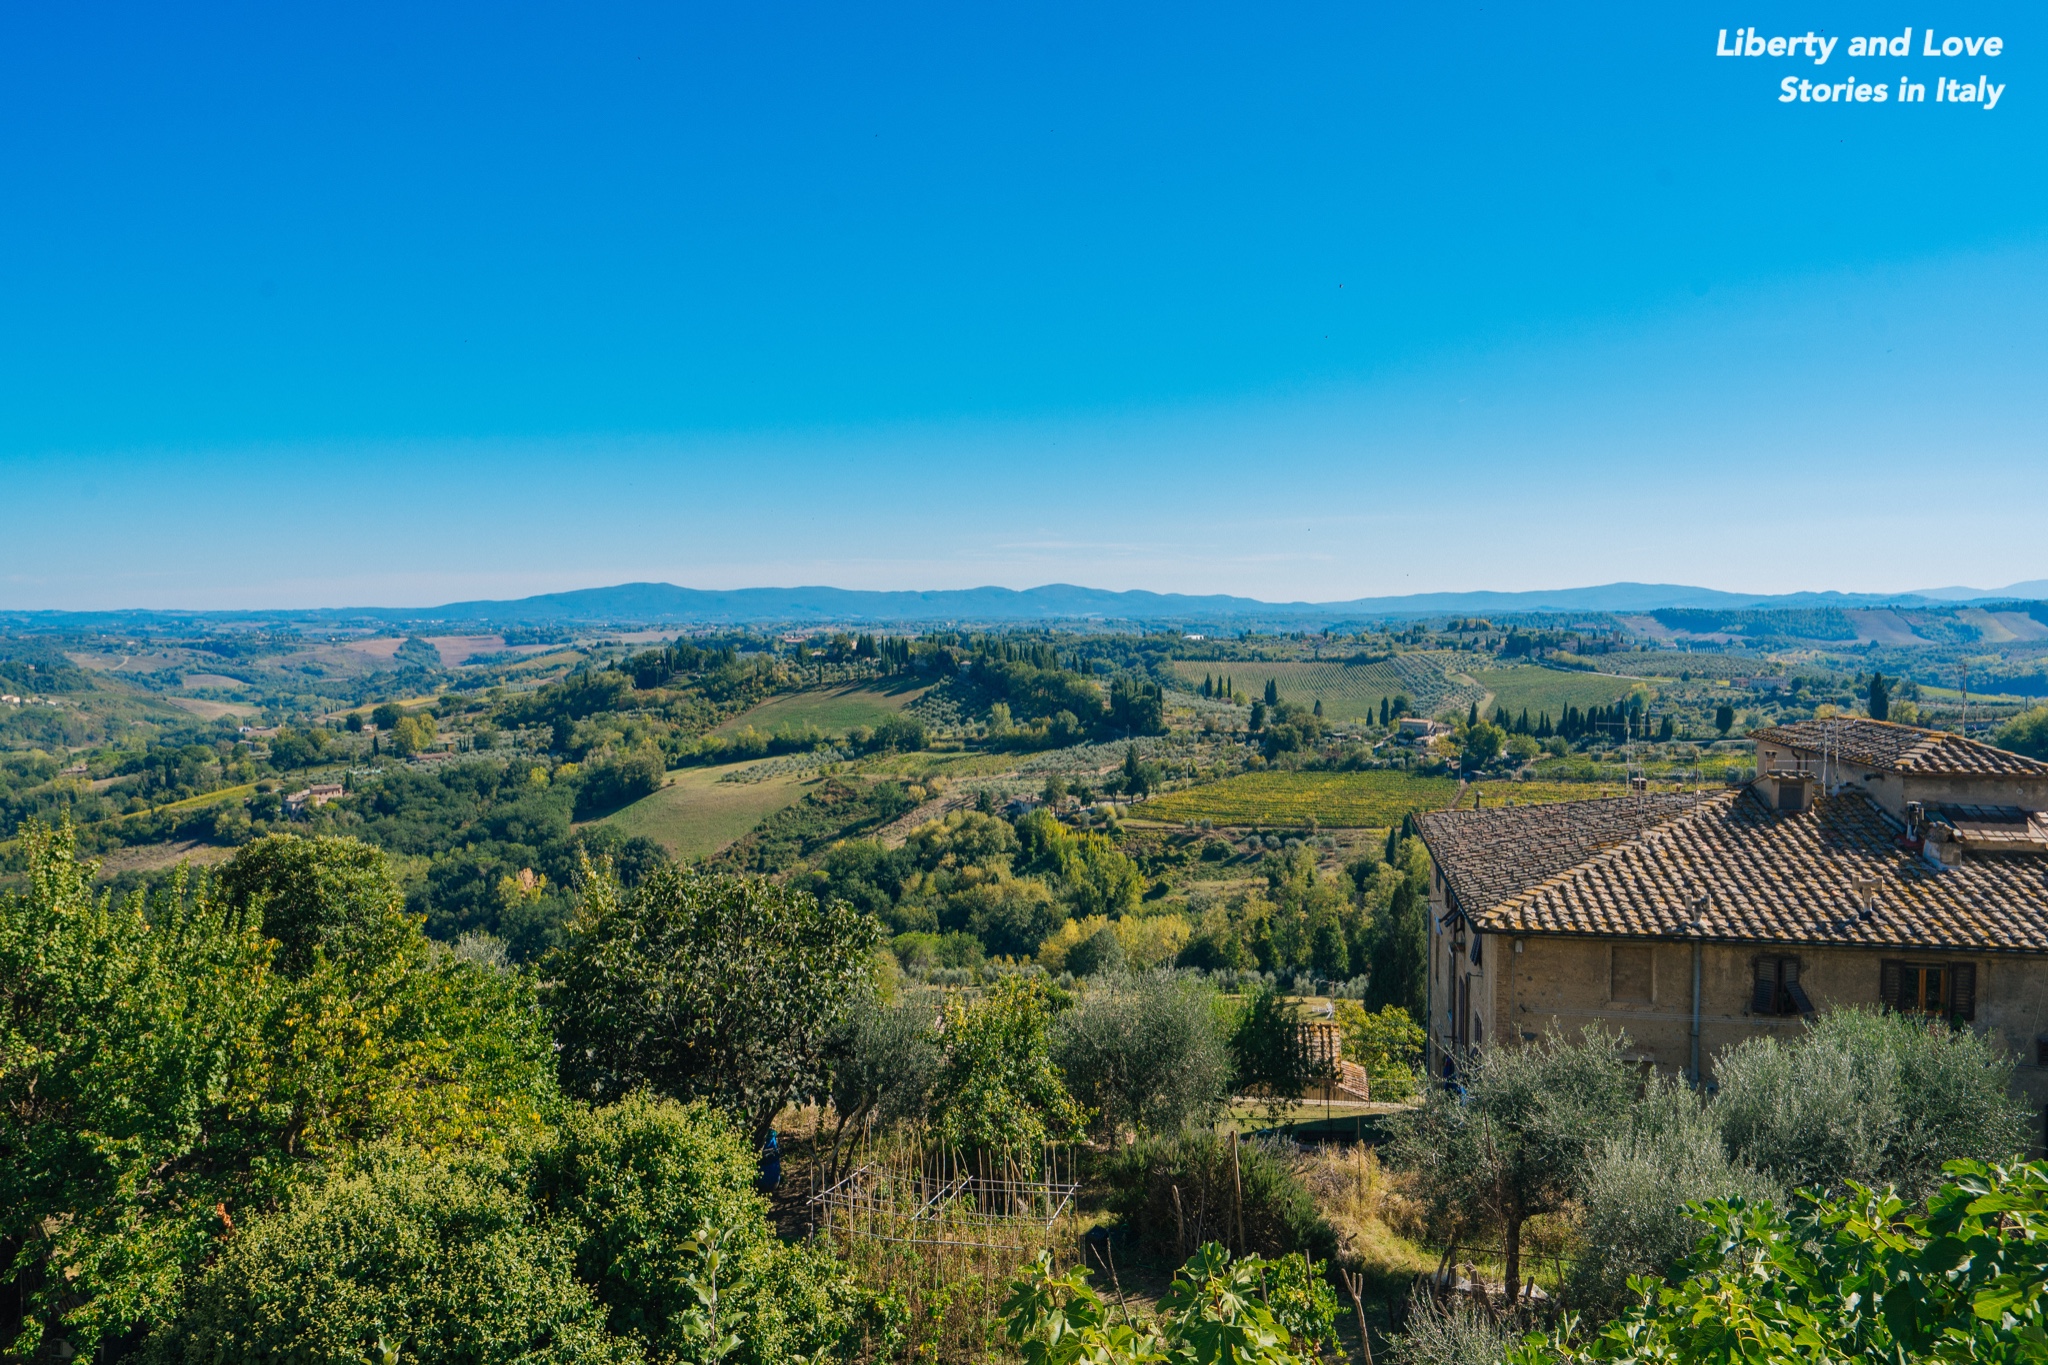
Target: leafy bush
(1388, 1045)
(652, 1190)
(1249, 1312)
(1176, 1193)
(1454, 1333)
(618, 780)
(1849, 1279)
(704, 986)
(168, 1066)
(1146, 1053)
(1267, 1049)
(2026, 733)
(1868, 1097)
(432, 1261)
(998, 1089)
(1633, 1217)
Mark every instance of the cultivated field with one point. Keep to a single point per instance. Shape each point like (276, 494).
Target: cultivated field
(835, 710)
(696, 814)
(1348, 692)
(1537, 690)
(211, 710)
(1491, 794)
(1370, 800)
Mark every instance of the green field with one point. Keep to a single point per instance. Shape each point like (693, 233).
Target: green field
(695, 815)
(1336, 800)
(1348, 692)
(835, 710)
(1537, 690)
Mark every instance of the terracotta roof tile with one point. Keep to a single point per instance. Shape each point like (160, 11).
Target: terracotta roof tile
(1489, 855)
(1767, 876)
(1900, 748)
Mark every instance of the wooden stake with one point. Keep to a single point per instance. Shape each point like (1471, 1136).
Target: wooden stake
(1352, 1285)
(1237, 1184)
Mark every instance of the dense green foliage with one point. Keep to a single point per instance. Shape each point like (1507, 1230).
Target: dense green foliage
(1175, 1193)
(1146, 1053)
(704, 986)
(161, 1072)
(1879, 1099)
(1853, 1278)
(998, 1089)
(1217, 1311)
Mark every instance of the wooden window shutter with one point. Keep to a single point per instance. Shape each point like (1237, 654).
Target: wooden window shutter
(1794, 995)
(1962, 993)
(1765, 998)
(1890, 975)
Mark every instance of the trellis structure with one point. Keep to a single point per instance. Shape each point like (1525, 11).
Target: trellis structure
(947, 1201)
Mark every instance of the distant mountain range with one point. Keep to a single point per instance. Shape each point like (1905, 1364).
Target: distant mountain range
(2034, 590)
(667, 604)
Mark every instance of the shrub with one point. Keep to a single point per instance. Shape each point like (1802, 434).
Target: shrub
(1146, 1052)
(998, 1089)
(1388, 1045)
(1633, 1219)
(648, 1187)
(1176, 1193)
(1869, 1097)
(1102, 951)
(436, 1262)
(1454, 1333)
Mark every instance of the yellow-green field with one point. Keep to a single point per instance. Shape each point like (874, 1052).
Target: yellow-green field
(696, 815)
(1491, 794)
(835, 710)
(1335, 800)
(1536, 690)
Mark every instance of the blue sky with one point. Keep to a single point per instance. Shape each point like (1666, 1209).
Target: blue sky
(368, 304)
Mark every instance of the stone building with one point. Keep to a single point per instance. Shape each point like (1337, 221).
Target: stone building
(1867, 864)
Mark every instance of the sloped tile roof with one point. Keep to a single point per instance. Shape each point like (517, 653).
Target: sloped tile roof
(1767, 876)
(1900, 748)
(1489, 855)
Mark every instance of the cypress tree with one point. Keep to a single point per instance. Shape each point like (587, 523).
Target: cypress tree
(1319, 708)
(1272, 692)
(1383, 713)
(1473, 717)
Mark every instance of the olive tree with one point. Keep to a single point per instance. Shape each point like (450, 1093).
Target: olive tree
(1877, 1098)
(1633, 1218)
(1520, 1139)
(1146, 1052)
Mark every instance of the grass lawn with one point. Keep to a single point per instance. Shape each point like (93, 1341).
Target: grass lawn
(835, 710)
(1537, 690)
(696, 815)
(1370, 800)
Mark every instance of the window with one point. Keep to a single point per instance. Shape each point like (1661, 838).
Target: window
(1630, 974)
(1945, 990)
(1777, 989)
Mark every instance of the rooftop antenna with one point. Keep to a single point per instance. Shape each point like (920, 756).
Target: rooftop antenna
(1966, 700)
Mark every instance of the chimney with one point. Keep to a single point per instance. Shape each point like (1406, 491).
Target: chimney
(1787, 790)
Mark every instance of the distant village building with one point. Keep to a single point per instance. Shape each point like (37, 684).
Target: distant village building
(1867, 864)
(1420, 727)
(319, 794)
